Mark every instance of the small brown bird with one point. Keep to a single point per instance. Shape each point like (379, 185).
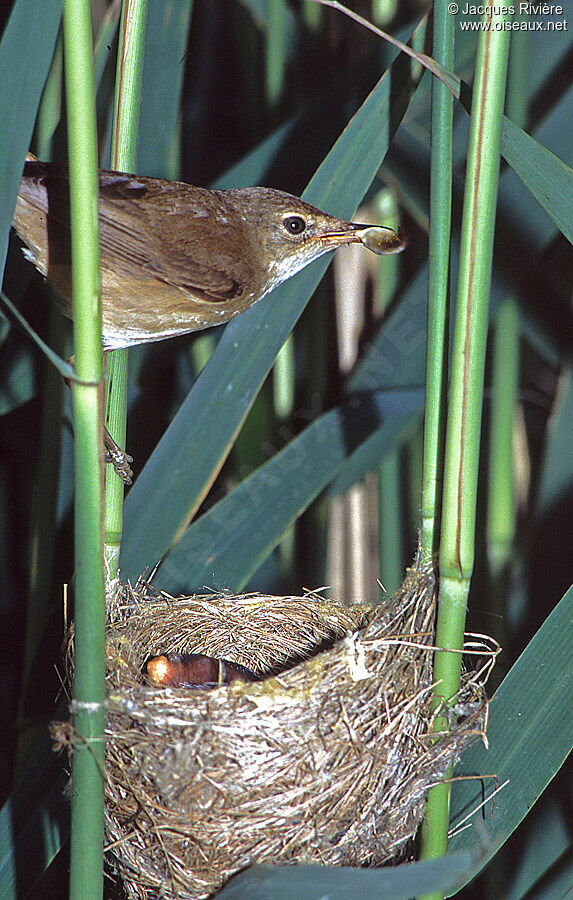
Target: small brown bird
(195, 670)
(177, 258)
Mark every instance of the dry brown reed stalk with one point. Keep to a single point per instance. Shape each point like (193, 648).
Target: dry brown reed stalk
(324, 761)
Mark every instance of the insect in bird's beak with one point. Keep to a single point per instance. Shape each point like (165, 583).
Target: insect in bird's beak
(377, 238)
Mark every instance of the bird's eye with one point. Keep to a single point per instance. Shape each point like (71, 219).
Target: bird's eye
(294, 224)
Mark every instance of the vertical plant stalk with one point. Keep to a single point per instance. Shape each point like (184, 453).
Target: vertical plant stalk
(275, 51)
(501, 503)
(129, 77)
(284, 380)
(284, 369)
(501, 488)
(438, 285)
(433, 838)
(284, 375)
(390, 542)
(312, 15)
(457, 539)
(500, 526)
(390, 538)
(86, 862)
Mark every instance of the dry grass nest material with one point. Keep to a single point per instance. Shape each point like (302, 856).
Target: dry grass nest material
(327, 760)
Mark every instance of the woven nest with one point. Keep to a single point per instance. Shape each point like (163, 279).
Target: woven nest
(327, 760)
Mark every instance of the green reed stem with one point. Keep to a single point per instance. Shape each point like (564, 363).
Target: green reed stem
(390, 530)
(457, 538)
(86, 862)
(438, 284)
(129, 78)
(275, 51)
(433, 842)
(501, 504)
(500, 526)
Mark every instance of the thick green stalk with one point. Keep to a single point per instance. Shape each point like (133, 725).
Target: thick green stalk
(50, 111)
(283, 384)
(501, 503)
(275, 50)
(129, 77)
(468, 357)
(284, 374)
(438, 284)
(390, 543)
(500, 527)
(457, 539)
(284, 380)
(275, 59)
(433, 834)
(312, 15)
(86, 862)
(116, 424)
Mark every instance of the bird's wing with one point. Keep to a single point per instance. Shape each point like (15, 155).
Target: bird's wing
(149, 228)
(166, 229)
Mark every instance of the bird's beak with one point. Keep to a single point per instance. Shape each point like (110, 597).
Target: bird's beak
(378, 238)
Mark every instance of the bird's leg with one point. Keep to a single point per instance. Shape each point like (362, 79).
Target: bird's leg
(119, 459)
(113, 453)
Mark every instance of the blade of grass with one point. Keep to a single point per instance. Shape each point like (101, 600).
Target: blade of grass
(340, 883)
(50, 111)
(26, 52)
(63, 367)
(19, 381)
(530, 735)
(261, 11)
(170, 489)
(163, 71)
(105, 39)
(34, 821)
(395, 365)
(42, 522)
(524, 236)
(547, 843)
(556, 476)
(229, 542)
(324, 116)
(451, 81)
(548, 178)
